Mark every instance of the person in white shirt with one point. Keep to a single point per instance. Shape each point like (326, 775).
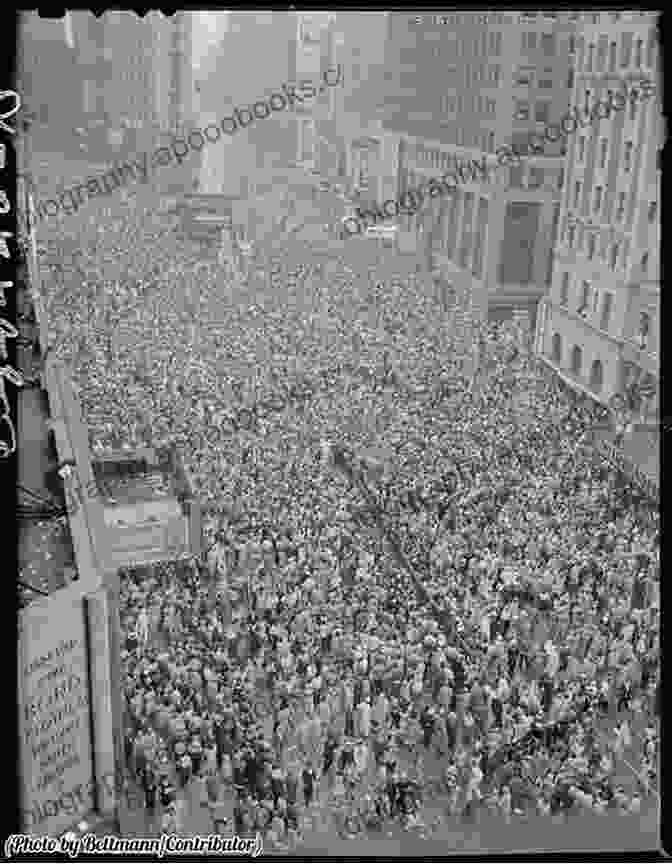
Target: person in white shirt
(473, 790)
(364, 718)
(142, 627)
(361, 756)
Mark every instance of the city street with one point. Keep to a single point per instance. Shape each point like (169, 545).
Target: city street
(421, 610)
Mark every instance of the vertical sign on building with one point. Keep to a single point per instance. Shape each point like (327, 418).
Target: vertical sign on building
(56, 766)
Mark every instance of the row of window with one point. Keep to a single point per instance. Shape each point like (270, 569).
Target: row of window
(604, 147)
(599, 199)
(481, 73)
(588, 306)
(530, 76)
(520, 143)
(474, 139)
(589, 300)
(445, 228)
(589, 103)
(456, 20)
(442, 162)
(546, 41)
(488, 44)
(614, 251)
(553, 16)
(473, 103)
(534, 176)
(604, 56)
(541, 110)
(465, 75)
(576, 363)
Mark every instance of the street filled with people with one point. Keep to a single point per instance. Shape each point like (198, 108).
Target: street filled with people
(424, 599)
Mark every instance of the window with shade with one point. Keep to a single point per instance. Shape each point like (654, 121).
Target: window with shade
(627, 157)
(529, 41)
(482, 221)
(644, 330)
(620, 210)
(653, 211)
(557, 349)
(541, 112)
(522, 110)
(626, 50)
(535, 177)
(584, 306)
(548, 44)
(645, 263)
(467, 237)
(651, 46)
(612, 56)
(596, 376)
(592, 246)
(604, 149)
(597, 203)
(577, 360)
(577, 193)
(613, 256)
(516, 176)
(607, 299)
(639, 52)
(524, 77)
(591, 58)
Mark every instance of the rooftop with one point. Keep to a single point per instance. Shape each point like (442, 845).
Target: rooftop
(150, 486)
(132, 476)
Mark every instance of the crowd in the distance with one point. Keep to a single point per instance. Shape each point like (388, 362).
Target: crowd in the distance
(299, 666)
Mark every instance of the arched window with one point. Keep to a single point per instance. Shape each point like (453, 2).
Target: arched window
(577, 360)
(596, 374)
(557, 349)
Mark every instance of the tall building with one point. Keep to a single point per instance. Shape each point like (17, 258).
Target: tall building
(349, 131)
(233, 76)
(135, 73)
(600, 322)
(461, 86)
(48, 73)
(307, 64)
(174, 90)
(173, 70)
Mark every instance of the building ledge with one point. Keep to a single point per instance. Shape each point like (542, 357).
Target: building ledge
(573, 382)
(574, 316)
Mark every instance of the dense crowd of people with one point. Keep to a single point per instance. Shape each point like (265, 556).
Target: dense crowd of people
(413, 573)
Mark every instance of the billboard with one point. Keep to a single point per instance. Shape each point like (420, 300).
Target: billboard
(54, 705)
